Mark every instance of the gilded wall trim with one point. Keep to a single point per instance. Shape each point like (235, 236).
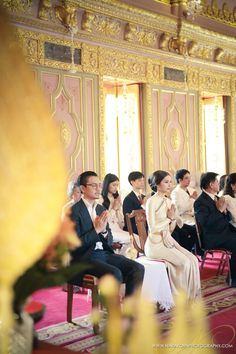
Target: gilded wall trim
(202, 142)
(111, 22)
(117, 63)
(101, 128)
(214, 82)
(148, 130)
(222, 14)
(232, 133)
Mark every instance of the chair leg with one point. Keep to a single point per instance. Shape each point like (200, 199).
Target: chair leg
(69, 302)
(221, 264)
(95, 305)
(203, 259)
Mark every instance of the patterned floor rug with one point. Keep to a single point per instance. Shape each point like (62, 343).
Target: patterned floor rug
(218, 298)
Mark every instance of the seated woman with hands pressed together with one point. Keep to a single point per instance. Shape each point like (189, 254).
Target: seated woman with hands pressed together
(162, 219)
(112, 202)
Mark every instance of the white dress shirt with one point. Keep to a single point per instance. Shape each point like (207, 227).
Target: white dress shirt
(184, 204)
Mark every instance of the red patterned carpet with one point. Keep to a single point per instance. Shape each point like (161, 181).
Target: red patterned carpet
(219, 299)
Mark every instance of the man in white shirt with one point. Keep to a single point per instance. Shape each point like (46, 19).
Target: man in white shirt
(183, 197)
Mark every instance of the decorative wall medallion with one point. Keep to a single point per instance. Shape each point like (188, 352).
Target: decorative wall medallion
(175, 139)
(65, 134)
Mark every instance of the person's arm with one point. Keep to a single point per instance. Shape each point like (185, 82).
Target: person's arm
(183, 205)
(88, 236)
(231, 207)
(156, 221)
(208, 217)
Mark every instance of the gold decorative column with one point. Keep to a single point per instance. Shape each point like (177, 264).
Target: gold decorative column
(148, 131)
(201, 132)
(231, 133)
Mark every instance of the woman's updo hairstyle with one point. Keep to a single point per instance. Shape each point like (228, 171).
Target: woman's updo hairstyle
(156, 179)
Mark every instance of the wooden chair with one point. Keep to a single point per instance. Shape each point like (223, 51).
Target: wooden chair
(140, 220)
(155, 268)
(224, 255)
(88, 282)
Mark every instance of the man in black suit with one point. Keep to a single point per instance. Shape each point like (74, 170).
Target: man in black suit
(214, 219)
(135, 199)
(91, 222)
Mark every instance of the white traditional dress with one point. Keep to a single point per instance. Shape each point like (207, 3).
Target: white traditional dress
(182, 265)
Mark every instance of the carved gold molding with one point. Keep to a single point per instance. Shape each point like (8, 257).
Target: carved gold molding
(33, 47)
(101, 24)
(222, 14)
(117, 63)
(112, 22)
(135, 33)
(15, 6)
(214, 82)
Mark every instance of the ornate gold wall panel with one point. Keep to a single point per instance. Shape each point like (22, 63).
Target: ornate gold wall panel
(113, 22)
(214, 82)
(125, 42)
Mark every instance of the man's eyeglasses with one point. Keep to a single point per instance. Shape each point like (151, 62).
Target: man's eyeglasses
(94, 185)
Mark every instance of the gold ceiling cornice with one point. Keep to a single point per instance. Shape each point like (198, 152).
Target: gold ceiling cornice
(118, 25)
(128, 13)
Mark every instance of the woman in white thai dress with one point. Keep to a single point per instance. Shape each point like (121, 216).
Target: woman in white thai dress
(183, 269)
(229, 194)
(112, 202)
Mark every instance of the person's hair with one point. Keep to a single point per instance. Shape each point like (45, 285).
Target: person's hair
(135, 175)
(180, 174)
(156, 179)
(83, 177)
(74, 186)
(231, 179)
(109, 178)
(207, 178)
(222, 181)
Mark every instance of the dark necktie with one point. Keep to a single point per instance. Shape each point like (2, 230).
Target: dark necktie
(187, 192)
(140, 198)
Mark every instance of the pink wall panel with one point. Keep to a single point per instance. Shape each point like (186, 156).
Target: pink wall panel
(71, 98)
(49, 82)
(174, 124)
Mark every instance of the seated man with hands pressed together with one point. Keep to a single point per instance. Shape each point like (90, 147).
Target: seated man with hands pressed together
(91, 222)
(183, 197)
(214, 219)
(135, 199)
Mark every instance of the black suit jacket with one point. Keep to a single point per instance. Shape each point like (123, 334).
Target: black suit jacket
(214, 224)
(130, 203)
(86, 232)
